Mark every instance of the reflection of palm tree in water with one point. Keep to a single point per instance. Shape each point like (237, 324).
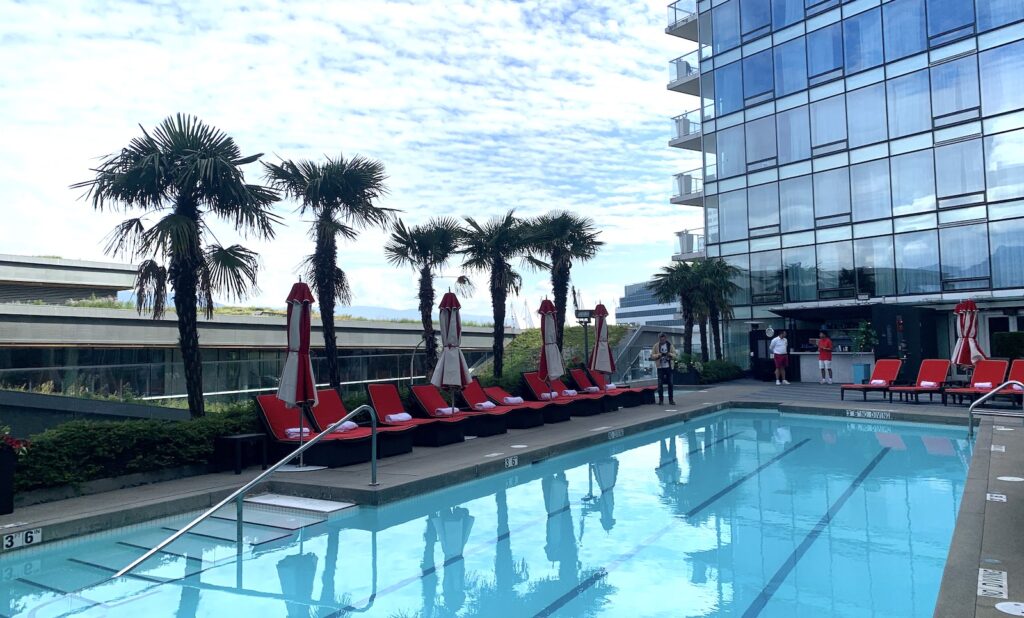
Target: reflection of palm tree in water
(711, 456)
(428, 583)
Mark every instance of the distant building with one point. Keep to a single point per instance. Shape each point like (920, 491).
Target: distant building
(639, 306)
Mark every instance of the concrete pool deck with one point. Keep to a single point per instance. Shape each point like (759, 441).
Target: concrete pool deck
(986, 535)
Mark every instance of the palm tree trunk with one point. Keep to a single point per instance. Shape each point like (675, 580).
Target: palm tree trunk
(687, 327)
(560, 289)
(325, 257)
(716, 332)
(498, 296)
(183, 280)
(426, 318)
(702, 325)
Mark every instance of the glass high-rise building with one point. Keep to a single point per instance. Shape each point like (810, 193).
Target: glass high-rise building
(857, 153)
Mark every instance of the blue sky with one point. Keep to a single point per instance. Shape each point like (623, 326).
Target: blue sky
(474, 107)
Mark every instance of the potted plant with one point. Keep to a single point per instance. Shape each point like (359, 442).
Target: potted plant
(865, 338)
(687, 370)
(10, 449)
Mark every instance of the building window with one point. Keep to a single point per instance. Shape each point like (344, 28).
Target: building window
(995, 13)
(760, 135)
(763, 207)
(732, 215)
(757, 77)
(1007, 240)
(726, 26)
(765, 277)
(755, 19)
(960, 170)
(711, 219)
(832, 193)
(949, 20)
(905, 33)
(865, 115)
(876, 268)
(796, 204)
(913, 183)
(728, 89)
(741, 296)
(794, 134)
(909, 104)
(800, 270)
(1004, 165)
(790, 67)
(964, 257)
(1001, 69)
(869, 188)
(825, 53)
(955, 90)
(828, 125)
(788, 12)
(861, 34)
(917, 263)
(731, 152)
(836, 277)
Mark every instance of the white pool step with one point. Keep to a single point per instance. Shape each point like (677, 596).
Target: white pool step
(324, 507)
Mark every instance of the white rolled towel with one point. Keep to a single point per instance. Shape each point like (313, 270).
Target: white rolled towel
(982, 385)
(591, 389)
(401, 417)
(346, 426)
(1018, 387)
(610, 387)
(484, 405)
(513, 400)
(878, 383)
(548, 396)
(569, 392)
(445, 411)
(927, 384)
(295, 432)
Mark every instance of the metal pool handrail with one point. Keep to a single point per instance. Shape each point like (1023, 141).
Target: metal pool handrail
(239, 493)
(992, 393)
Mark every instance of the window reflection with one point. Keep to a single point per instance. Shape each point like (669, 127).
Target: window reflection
(917, 262)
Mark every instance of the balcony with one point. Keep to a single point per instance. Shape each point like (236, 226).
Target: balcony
(682, 19)
(684, 74)
(688, 188)
(687, 131)
(691, 247)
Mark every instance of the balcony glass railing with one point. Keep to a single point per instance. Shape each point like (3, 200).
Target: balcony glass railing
(687, 183)
(680, 11)
(683, 67)
(687, 124)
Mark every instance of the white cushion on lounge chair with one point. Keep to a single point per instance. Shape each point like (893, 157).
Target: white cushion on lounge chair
(512, 400)
(346, 426)
(401, 417)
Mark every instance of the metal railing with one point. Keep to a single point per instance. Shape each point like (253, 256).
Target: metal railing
(683, 67)
(989, 395)
(680, 11)
(687, 124)
(688, 183)
(239, 494)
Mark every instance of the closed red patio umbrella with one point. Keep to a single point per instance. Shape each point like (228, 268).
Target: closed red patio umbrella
(451, 372)
(601, 357)
(298, 388)
(967, 351)
(550, 365)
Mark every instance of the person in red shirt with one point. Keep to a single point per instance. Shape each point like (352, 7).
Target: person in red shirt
(825, 356)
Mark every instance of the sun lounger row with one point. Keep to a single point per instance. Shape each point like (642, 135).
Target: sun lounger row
(430, 419)
(931, 380)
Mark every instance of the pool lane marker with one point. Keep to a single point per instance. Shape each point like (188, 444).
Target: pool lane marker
(579, 588)
(790, 563)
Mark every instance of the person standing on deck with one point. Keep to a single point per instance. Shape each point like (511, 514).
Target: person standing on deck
(779, 347)
(825, 356)
(663, 354)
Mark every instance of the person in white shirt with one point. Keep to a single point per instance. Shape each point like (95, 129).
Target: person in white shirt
(779, 348)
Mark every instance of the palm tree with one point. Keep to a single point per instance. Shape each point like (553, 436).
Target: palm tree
(426, 248)
(340, 194)
(714, 280)
(563, 237)
(490, 247)
(185, 172)
(676, 282)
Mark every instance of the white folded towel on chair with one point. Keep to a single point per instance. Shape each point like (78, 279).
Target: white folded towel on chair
(548, 396)
(445, 411)
(878, 383)
(512, 400)
(1017, 387)
(346, 426)
(484, 405)
(401, 417)
(609, 387)
(295, 432)
(569, 392)
(591, 389)
(927, 384)
(982, 385)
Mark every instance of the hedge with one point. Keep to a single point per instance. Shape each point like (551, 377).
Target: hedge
(86, 450)
(1008, 345)
(719, 371)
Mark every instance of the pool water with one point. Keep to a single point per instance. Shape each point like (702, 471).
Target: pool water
(741, 513)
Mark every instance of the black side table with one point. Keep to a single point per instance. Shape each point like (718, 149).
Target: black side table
(236, 444)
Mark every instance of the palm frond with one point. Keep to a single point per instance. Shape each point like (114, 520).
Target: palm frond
(173, 234)
(342, 288)
(151, 288)
(125, 239)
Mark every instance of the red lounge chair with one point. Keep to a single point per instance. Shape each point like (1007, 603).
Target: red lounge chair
(932, 371)
(616, 398)
(391, 439)
(553, 412)
(538, 387)
(590, 403)
(478, 423)
(990, 371)
(336, 449)
(883, 375)
(646, 393)
(517, 416)
(1016, 374)
(427, 431)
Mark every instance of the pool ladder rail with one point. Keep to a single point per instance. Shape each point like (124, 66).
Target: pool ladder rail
(992, 393)
(238, 496)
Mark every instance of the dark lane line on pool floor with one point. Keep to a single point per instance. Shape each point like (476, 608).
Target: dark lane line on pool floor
(790, 563)
(622, 558)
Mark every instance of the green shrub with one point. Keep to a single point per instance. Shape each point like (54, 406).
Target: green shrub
(80, 451)
(1008, 345)
(719, 371)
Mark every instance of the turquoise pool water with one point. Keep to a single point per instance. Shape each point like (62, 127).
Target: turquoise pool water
(741, 513)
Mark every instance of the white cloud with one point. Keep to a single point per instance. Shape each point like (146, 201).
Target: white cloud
(474, 107)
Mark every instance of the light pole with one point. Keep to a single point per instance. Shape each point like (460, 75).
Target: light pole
(583, 317)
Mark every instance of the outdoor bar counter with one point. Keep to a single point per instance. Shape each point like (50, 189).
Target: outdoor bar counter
(842, 365)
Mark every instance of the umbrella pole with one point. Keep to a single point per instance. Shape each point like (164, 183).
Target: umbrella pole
(302, 422)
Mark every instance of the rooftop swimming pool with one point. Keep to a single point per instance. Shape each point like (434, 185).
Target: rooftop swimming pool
(740, 513)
